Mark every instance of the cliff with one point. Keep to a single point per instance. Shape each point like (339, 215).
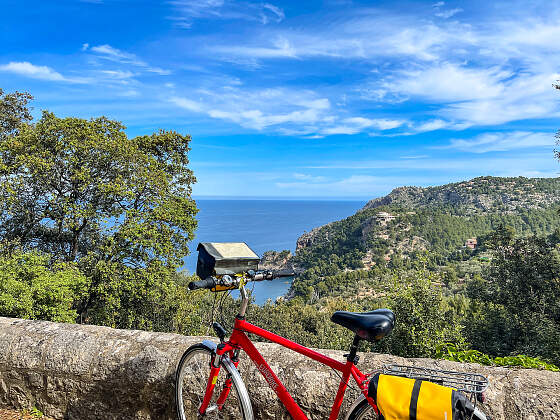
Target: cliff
(90, 372)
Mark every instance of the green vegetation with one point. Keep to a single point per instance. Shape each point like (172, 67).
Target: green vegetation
(519, 298)
(34, 412)
(451, 352)
(79, 197)
(499, 300)
(32, 288)
(94, 226)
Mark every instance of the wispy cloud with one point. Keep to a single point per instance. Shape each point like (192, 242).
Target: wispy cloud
(276, 14)
(291, 112)
(309, 178)
(356, 125)
(502, 141)
(186, 11)
(108, 52)
(504, 165)
(354, 185)
(445, 13)
(470, 74)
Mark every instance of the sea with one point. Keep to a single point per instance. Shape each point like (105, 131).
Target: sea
(264, 225)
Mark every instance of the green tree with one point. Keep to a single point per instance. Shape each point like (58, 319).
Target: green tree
(32, 288)
(81, 191)
(424, 320)
(502, 236)
(13, 112)
(516, 305)
(76, 188)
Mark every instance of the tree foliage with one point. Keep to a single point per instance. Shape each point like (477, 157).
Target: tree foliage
(13, 112)
(32, 288)
(80, 191)
(516, 306)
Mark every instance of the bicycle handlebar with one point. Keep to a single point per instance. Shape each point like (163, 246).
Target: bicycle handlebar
(212, 282)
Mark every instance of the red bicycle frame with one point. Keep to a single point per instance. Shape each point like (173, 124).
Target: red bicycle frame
(240, 341)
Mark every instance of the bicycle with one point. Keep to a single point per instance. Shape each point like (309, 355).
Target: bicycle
(207, 367)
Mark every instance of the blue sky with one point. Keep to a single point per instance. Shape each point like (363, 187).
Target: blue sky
(331, 99)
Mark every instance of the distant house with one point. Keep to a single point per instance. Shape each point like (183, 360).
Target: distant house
(383, 217)
(470, 243)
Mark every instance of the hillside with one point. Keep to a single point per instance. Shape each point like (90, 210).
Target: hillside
(441, 225)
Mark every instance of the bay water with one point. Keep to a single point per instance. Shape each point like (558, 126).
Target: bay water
(264, 225)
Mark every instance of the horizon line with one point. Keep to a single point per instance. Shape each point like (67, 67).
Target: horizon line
(278, 198)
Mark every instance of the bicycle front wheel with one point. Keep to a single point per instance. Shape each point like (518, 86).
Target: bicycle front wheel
(190, 386)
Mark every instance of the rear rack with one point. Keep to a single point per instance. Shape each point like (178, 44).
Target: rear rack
(462, 381)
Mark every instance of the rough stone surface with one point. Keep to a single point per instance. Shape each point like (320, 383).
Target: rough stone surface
(89, 372)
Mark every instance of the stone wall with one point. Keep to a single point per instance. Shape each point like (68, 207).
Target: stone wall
(89, 372)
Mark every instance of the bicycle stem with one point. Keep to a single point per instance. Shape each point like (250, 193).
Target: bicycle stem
(244, 302)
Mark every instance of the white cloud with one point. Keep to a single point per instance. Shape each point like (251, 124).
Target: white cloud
(486, 72)
(367, 36)
(525, 97)
(198, 8)
(502, 141)
(415, 157)
(448, 82)
(446, 14)
(356, 125)
(259, 109)
(430, 125)
(290, 112)
(187, 104)
(27, 69)
(131, 93)
(118, 74)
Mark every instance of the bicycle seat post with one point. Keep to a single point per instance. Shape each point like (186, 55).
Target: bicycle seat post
(244, 303)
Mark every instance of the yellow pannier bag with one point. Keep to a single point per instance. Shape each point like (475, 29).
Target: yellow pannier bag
(400, 398)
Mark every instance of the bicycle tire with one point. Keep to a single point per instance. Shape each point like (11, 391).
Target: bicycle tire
(190, 385)
(362, 410)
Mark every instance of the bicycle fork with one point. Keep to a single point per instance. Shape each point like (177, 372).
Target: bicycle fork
(212, 379)
(215, 366)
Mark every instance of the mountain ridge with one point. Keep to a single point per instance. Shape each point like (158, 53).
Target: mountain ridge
(480, 194)
(447, 224)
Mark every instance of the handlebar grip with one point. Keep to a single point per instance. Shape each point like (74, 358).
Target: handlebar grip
(207, 283)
